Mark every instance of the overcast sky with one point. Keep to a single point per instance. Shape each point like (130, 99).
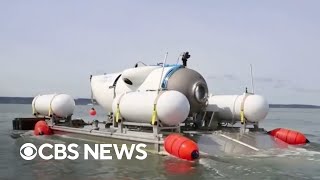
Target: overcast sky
(53, 46)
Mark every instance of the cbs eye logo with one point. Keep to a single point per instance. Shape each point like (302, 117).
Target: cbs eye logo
(28, 151)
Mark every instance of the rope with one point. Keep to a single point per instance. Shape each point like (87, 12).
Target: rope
(91, 93)
(154, 113)
(242, 116)
(118, 115)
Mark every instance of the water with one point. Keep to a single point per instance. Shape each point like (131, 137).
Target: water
(292, 163)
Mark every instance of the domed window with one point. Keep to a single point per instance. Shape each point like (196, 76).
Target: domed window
(200, 93)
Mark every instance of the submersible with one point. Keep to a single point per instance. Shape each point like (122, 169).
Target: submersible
(164, 104)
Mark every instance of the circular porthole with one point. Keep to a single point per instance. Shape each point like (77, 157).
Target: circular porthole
(200, 93)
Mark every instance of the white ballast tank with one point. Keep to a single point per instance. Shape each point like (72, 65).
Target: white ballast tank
(61, 105)
(172, 106)
(255, 107)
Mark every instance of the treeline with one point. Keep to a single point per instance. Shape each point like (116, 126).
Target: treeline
(85, 101)
(28, 100)
(294, 106)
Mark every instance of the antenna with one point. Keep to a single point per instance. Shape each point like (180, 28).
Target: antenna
(163, 64)
(179, 58)
(252, 83)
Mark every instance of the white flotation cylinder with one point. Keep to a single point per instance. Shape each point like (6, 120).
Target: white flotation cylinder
(61, 105)
(172, 107)
(255, 107)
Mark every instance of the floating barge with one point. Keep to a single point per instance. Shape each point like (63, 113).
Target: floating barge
(148, 103)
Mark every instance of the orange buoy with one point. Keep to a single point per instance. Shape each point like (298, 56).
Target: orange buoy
(181, 147)
(289, 136)
(42, 128)
(92, 112)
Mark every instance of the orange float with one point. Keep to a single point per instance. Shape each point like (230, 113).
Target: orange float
(42, 128)
(181, 147)
(289, 136)
(92, 112)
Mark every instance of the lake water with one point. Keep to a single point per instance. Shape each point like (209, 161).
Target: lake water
(292, 163)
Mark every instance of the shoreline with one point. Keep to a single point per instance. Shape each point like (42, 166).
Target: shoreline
(87, 101)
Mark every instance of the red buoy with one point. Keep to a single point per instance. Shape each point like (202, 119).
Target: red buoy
(92, 112)
(42, 128)
(181, 147)
(289, 136)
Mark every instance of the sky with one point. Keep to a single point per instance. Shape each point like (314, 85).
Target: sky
(54, 46)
